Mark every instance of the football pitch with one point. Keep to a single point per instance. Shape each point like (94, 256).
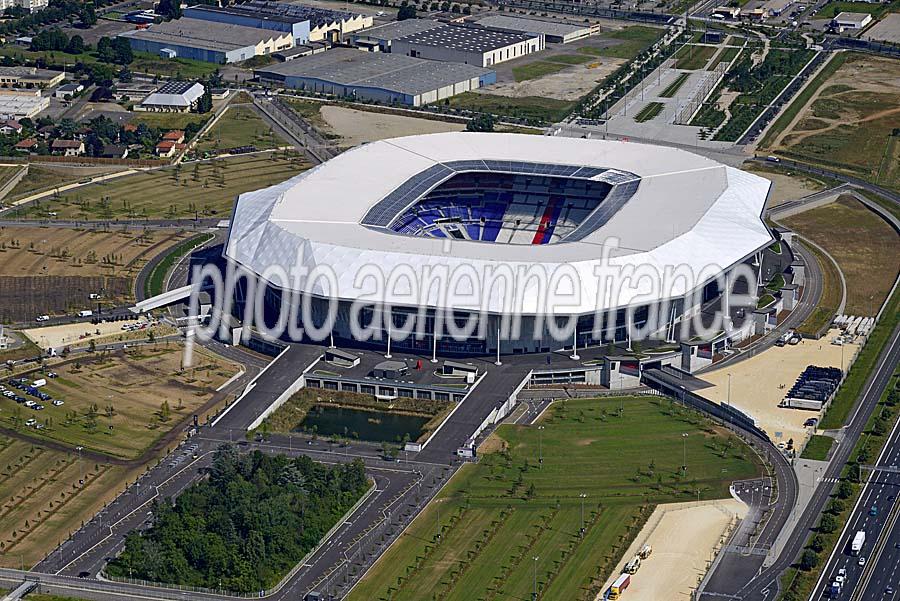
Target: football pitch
(510, 521)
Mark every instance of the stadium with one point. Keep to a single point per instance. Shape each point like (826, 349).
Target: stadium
(480, 205)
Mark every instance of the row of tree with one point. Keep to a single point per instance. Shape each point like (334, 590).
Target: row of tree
(245, 526)
(116, 50)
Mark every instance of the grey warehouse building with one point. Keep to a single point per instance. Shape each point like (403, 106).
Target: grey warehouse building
(207, 40)
(249, 17)
(554, 32)
(379, 38)
(379, 77)
(469, 45)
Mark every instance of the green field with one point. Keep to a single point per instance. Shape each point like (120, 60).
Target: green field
(692, 57)
(631, 41)
(478, 538)
(536, 69)
(144, 62)
(533, 108)
(240, 126)
(802, 98)
(876, 9)
(817, 447)
(673, 87)
(204, 189)
(156, 282)
(726, 56)
(649, 112)
(167, 121)
(45, 177)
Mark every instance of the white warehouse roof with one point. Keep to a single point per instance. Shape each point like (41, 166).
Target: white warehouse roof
(673, 208)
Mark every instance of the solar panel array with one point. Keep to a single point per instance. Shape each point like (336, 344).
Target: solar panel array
(414, 188)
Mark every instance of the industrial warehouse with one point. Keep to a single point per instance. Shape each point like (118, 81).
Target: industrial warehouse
(553, 32)
(208, 41)
(469, 45)
(377, 77)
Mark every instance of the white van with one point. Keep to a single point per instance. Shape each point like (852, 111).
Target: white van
(42, 318)
(86, 313)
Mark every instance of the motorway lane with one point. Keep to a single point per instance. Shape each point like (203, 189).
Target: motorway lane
(879, 490)
(766, 582)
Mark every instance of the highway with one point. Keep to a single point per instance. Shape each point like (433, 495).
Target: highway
(881, 491)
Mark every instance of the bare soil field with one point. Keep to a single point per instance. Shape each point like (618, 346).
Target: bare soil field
(46, 495)
(683, 537)
(865, 247)
(120, 404)
(760, 396)
(848, 123)
(54, 270)
(357, 127)
(786, 187)
(571, 83)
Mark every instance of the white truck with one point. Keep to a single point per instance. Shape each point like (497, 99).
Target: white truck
(859, 539)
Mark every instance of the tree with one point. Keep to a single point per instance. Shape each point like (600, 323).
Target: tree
(204, 105)
(844, 490)
(808, 560)
(817, 543)
(88, 16)
(481, 123)
(75, 45)
(164, 411)
(828, 523)
(407, 11)
(169, 9)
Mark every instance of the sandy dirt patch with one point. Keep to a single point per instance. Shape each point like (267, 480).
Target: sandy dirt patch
(684, 537)
(357, 127)
(787, 187)
(81, 333)
(492, 444)
(759, 396)
(886, 30)
(569, 84)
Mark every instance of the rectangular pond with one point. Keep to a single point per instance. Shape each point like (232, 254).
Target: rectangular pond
(374, 426)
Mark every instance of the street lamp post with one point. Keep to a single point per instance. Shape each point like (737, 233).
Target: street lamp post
(684, 453)
(534, 589)
(540, 447)
(583, 496)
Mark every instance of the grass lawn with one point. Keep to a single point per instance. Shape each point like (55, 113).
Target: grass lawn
(569, 59)
(168, 121)
(649, 112)
(849, 126)
(631, 41)
(206, 188)
(817, 447)
(865, 247)
(42, 499)
(113, 404)
(240, 126)
(824, 312)
(692, 57)
(672, 88)
(536, 69)
(478, 538)
(44, 177)
(831, 10)
(6, 173)
(144, 62)
(156, 282)
(533, 108)
(726, 56)
(859, 372)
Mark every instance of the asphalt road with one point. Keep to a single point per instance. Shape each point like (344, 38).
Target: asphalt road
(881, 491)
(766, 583)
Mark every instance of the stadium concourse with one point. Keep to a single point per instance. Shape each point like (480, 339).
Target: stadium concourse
(482, 203)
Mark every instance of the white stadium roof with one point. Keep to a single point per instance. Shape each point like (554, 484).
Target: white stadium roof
(681, 210)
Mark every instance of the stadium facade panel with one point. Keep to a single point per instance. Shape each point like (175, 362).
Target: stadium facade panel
(601, 213)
